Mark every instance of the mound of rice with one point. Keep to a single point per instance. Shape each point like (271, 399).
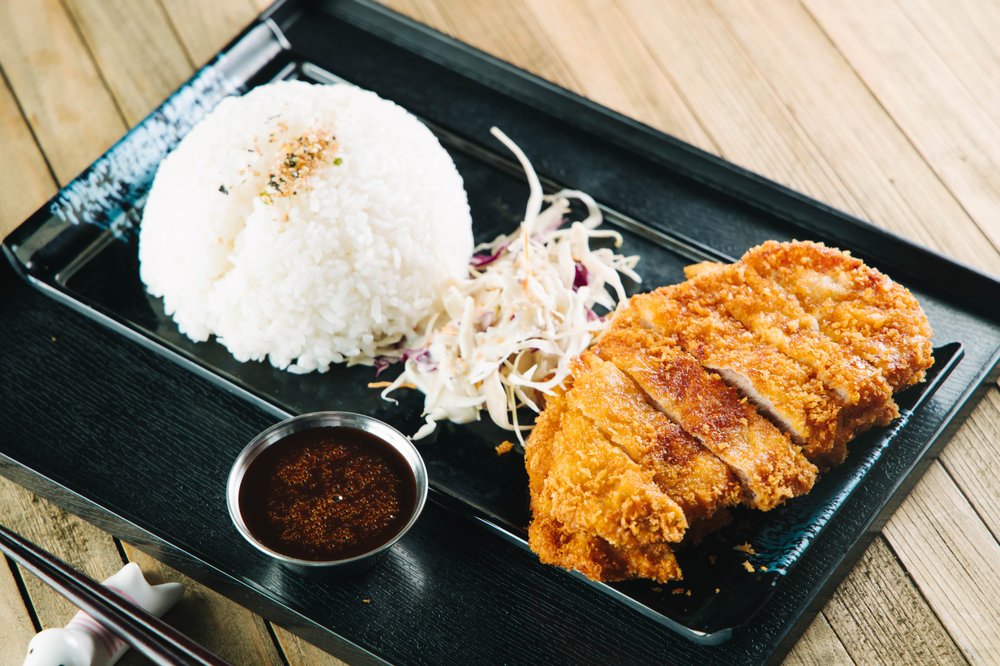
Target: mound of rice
(307, 224)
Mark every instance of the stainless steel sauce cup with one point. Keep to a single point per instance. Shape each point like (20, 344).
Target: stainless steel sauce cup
(343, 568)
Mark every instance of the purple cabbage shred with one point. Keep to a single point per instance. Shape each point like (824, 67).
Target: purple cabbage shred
(381, 363)
(422, 358)
(580, 277)
(480, 260)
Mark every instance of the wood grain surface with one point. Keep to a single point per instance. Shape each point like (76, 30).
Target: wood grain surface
(888, 109)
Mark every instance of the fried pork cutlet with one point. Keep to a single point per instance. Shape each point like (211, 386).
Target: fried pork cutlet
(684, 469)
(854, 304)
(597, 559)
(766, 462)
(781, 388)
(647, 444)
(776, 318)
(577, 542)
(581, 480)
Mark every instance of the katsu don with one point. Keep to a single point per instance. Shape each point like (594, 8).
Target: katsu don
(739, 386)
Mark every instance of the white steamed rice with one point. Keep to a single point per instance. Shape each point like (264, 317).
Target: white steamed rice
(344, 269)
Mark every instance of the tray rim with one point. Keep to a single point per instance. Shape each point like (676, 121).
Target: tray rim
(736, 172)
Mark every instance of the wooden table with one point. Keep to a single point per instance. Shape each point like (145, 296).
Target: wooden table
(887, 109)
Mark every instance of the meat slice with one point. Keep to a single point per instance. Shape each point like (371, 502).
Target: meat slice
(775, 317)
(576, 519)
(770, 468)
(784, 390)
(684, 469)
(854, 304)
(597, 559)
(584, 482)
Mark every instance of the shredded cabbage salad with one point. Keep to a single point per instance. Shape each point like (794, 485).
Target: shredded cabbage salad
(508, 332)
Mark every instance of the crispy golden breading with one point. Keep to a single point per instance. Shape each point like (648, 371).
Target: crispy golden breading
(587, 514)
(538, 459)
(646, 444)
(776, 319)
(781, 388)
(692, 271)
(766, 462)
(854, 304)
(597, 559)
(684, 469)
(586, 483)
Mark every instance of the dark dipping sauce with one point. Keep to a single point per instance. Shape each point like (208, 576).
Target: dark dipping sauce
(327, 494)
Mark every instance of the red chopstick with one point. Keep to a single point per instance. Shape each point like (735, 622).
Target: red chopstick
(147, 634)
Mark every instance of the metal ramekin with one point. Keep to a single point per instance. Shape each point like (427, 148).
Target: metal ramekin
(341, 568)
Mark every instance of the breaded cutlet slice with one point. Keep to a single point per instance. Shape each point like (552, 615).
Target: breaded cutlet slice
(770, 468)
(538, 459)
(854, 304)
(597, 559)
(684, 469)
(583, 551)
(577, 477)
(784, 390)
(776, 318)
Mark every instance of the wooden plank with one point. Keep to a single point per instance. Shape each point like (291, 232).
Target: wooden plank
(878, 611)
(899, 64)
(41, 52)
(985, 16)
(890, 183)
(205, 27)
(81, 544)
(819, 646)
(221, 625)
(627, 80)
(499, 29)
(953, 558)
(972, 461)
(732, 100)
(300, 653)
(26, 182)
(425, 11)
(15, 623)
(116, 34)
(967, 47)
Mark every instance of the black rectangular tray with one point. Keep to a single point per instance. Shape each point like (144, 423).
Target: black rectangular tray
(674, 204)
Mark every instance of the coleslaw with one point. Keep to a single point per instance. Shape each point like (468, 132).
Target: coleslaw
(506, 335)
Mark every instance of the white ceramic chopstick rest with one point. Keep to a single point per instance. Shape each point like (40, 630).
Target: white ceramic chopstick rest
(84, 642)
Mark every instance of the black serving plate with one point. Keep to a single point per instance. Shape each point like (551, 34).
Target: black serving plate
(674, 205)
